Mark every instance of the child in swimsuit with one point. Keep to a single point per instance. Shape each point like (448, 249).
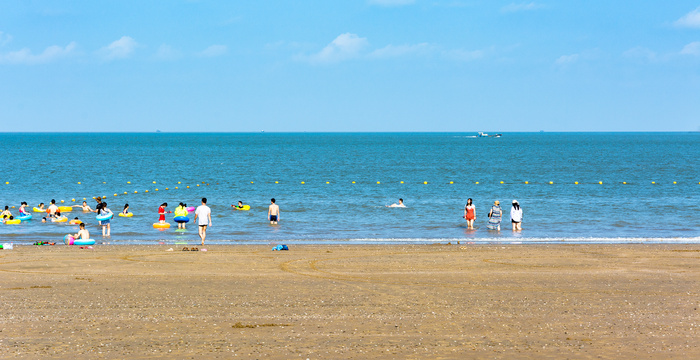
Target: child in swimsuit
(161, 212)
(22, 208)
(126, 209)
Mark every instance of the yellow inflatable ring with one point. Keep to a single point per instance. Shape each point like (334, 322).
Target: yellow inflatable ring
(161, 225)
(127, 214)
(75, 222)
(36, 209)
(65, 208)
(13, 222)
(61, 219)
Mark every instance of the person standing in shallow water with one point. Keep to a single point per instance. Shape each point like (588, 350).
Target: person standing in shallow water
(203, 212)
(470, 213)
(516, 216)
(273, 212)
(495, 216)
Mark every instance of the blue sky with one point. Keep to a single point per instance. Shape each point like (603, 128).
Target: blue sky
(364, 65)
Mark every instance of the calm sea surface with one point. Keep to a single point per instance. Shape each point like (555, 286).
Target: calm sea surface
(329, 207)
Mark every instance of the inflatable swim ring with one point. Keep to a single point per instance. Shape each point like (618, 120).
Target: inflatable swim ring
(126, 215)
(61, 219)
(13, 222)
(70, 240)
(75, 222)
(36, 209)
(104, 217)
(65, 208)
(161, 225)
(245, 207)
(190, 208)
(181, 219)
(25, 217)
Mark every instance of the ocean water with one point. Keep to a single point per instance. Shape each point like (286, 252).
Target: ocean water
(329, 207)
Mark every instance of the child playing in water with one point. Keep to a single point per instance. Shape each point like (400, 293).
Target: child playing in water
(161, 212)
(6, 212)
(181, 211)
(58, 217)
(239, 206)
(85, 207)
(106, 228)
(22, 208)
(41, 207)
(126, 209)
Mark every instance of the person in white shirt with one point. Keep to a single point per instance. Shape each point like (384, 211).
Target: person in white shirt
(203, 213)
(516, 216)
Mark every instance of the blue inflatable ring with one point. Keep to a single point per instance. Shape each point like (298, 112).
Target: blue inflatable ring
(104, 217)
(181, 219)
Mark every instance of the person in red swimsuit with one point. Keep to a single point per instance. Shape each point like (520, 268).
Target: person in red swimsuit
(470, 213)
(161, 212)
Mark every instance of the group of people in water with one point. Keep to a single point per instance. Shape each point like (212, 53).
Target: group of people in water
(495, 215)
(203, 215)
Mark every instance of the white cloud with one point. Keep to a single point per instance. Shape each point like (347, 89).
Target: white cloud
(214, 50)
(463, 55)
(5, 38)
(641, 53)
(692, 49)
(25, 55)
(166, 52)
(691, 19)
(391, 51)
(345, 46)
(390, 2)
(513, 7)
(567, 59)
(119, 49)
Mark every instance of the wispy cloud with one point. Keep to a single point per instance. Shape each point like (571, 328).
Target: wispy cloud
(119, 49)
(567, 59)
(513, 7)
(691, 49)
(463, 55)
(690, 20)
(345, 46)
(391, 51)
(5, 38)
(25, 56)
(390, 2)
(166, 52)
(214, 50)
(640, 52)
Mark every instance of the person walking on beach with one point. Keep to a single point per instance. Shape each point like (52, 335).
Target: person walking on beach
(495, 216)
(203, 212)
(516, 216)
(273, 212)
(470, 213)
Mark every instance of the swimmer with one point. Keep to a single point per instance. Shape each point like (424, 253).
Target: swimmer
(6, 212)
(58, 217)
(43, 219)
(82, 233)
(126, 209)
(23, 208)
(106, 227)
(239, 206)
(161, 212)
(85, 207)
(4, 218)
(53, 209)
(400, 204)
(273, 212)
(41, 207)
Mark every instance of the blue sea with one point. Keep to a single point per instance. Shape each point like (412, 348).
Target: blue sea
(334, 187)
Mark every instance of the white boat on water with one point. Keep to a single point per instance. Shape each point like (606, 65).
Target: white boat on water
(483, 134)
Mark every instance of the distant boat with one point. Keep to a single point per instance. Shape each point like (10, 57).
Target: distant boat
(483, 134)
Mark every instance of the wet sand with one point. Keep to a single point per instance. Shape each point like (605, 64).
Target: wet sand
(355, 302)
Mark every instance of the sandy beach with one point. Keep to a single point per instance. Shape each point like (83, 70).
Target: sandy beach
(357, 302)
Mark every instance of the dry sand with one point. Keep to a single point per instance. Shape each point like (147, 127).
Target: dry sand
(360, 302)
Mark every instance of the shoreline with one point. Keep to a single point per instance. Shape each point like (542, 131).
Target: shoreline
(624, 301)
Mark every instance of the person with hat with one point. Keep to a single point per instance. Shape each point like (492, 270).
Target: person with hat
(516, 216)
(495, 216)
